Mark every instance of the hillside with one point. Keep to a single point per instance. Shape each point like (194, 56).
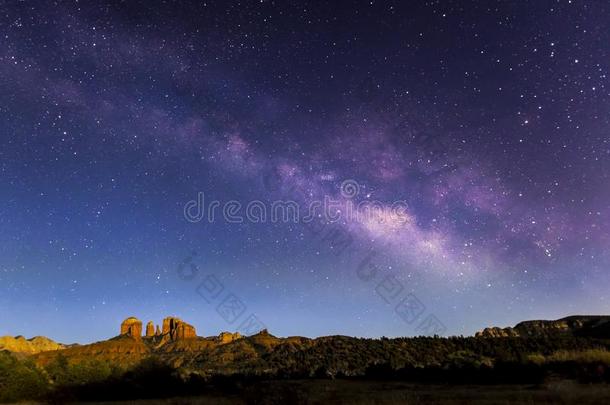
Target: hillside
(575, 325)
(265, 354)
(19, 344)
(178, 345)
(172, 360)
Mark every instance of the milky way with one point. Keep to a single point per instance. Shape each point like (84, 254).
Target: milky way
(488, 121)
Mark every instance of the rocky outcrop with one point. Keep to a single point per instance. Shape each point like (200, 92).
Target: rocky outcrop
(132, 327)
(185, 331)
(265, 339)
(228, 337)
(175, 328)
(496, 332)
(168, 324)
(578, 325)
(150, 329)
(19, 344)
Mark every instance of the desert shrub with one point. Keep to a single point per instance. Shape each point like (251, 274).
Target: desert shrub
(536, 358)
(88, 371)
(583, 356)
(20, 379)
(464, 359)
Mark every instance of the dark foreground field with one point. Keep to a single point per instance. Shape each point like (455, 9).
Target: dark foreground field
(371, 392)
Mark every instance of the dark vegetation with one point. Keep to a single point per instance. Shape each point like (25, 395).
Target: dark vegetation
(424, 360)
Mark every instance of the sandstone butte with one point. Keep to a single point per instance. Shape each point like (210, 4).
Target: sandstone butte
(150, 329)
(173, 329)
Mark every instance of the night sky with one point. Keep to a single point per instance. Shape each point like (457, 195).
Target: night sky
(488, 120)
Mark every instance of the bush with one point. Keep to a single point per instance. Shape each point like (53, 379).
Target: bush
(585, 356)
(20, 380)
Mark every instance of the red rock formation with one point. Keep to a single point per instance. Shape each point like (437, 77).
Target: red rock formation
(150, 329)
(168, 324)
(176, 328)
(157, 331)
(184, 331)
(132, 327)
(228, 337)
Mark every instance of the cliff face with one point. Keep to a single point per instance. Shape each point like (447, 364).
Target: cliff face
(37, 344)
(495, 332)
(132, 327)
(150, 329)
(578, 325)
(176, 329)
(173, 329)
